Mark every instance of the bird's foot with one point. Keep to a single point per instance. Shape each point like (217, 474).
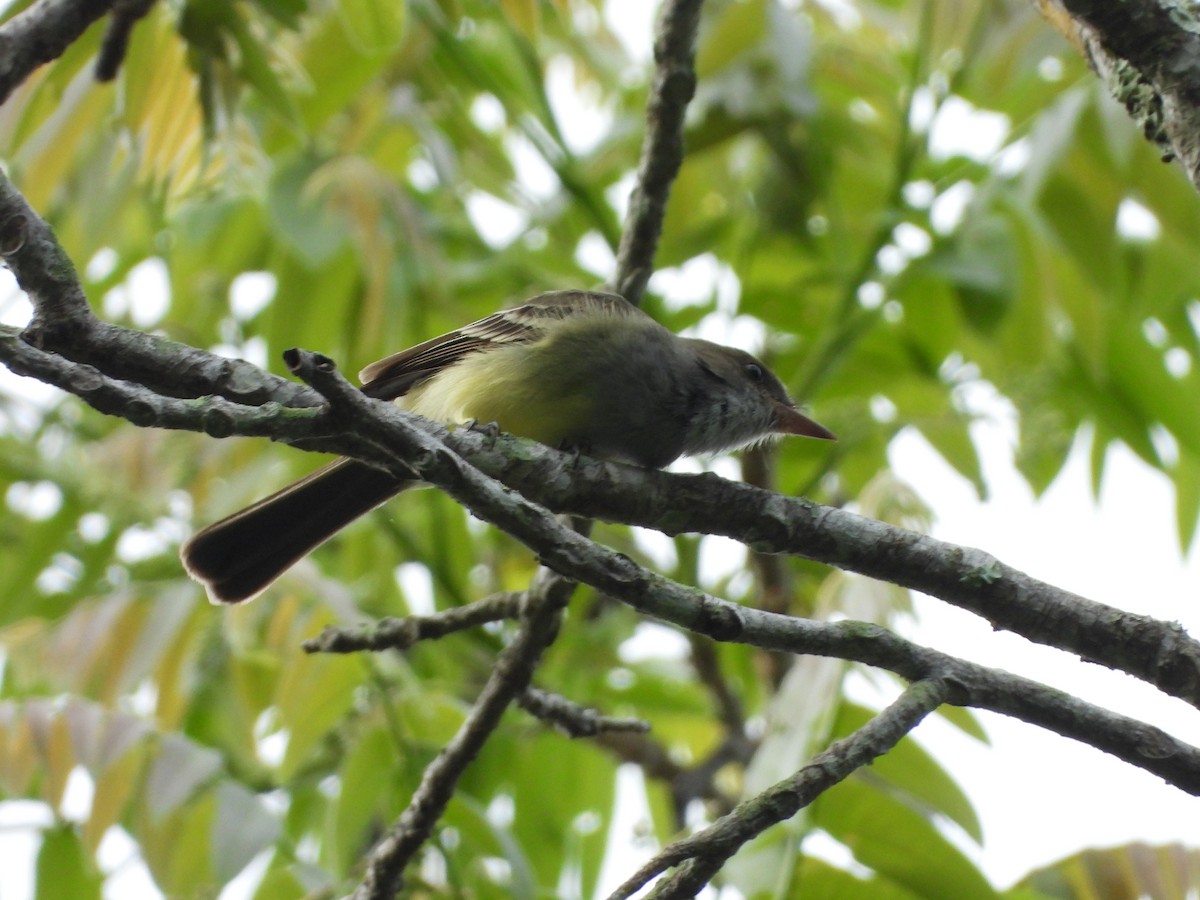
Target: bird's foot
(490, 430)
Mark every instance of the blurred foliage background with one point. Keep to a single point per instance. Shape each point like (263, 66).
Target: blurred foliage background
(896, 203)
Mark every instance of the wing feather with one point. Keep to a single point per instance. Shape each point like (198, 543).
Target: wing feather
(396, 375)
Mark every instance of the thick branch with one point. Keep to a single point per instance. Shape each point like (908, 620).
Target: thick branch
(63, 323)
(577, 558)
(1158, 652)
(1148, 53)
(41, 33)
(383, 434)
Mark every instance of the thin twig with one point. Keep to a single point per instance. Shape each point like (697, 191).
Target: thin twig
(63, 323)
(573, 719)
(708, 667)
(686, 784)
(146, 408)
(662, 147)
(775, 578)
(402, 633)
(509, 679)
(125, 15)
(708, 850)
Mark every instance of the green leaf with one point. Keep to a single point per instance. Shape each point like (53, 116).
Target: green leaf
(489, 835)
(1046, 438)
(281, 884)
(932, 316)
(1138, 375)
(180, 768)
(897, 842)
(302, 218)
(254, 64)
(915, 775)
(981, 265)
(178, 848)
(1130, 870)
(287, 12)
(64, 868)
(242, 828)
(366, 798)
(373, 25)
(561, 814)
(951, 437)
(815, 879)
(312, 699)
(1186, 475)
(1051, 137)
(737, 28)
(965, 721)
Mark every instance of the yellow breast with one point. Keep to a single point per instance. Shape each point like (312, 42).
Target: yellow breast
(511, 386)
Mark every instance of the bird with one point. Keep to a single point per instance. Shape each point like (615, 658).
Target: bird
(576, 369)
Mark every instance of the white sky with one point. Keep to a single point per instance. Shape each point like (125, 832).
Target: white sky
(1040, 796)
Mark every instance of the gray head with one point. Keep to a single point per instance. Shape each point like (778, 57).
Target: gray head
(743, 402)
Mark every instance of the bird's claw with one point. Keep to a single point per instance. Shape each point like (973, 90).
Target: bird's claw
(490, 430)
(576, 451)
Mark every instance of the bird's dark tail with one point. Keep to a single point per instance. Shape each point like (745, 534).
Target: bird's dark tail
(237, 558)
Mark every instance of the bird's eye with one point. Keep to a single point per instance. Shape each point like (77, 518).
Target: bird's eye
(754, 372)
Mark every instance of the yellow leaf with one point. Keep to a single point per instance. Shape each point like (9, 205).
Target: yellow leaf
(526, 15)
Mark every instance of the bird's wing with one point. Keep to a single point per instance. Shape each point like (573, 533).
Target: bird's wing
(399, 373)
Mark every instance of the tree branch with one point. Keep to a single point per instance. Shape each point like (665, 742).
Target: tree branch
(407, 444)
(509, 679)
(125, 15)
(579, 559)
(572, 719)
(662, 147)
(146, 408)
(383, 434)
(1148, 54)
(63, 323)
(1155, 651)
(1158, 652)
(706, 851)
(400, 634)
(40, 34)
(143, 377)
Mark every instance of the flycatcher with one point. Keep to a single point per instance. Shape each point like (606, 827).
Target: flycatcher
(572, 369)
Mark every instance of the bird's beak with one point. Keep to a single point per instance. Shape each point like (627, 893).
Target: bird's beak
(789, 420)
